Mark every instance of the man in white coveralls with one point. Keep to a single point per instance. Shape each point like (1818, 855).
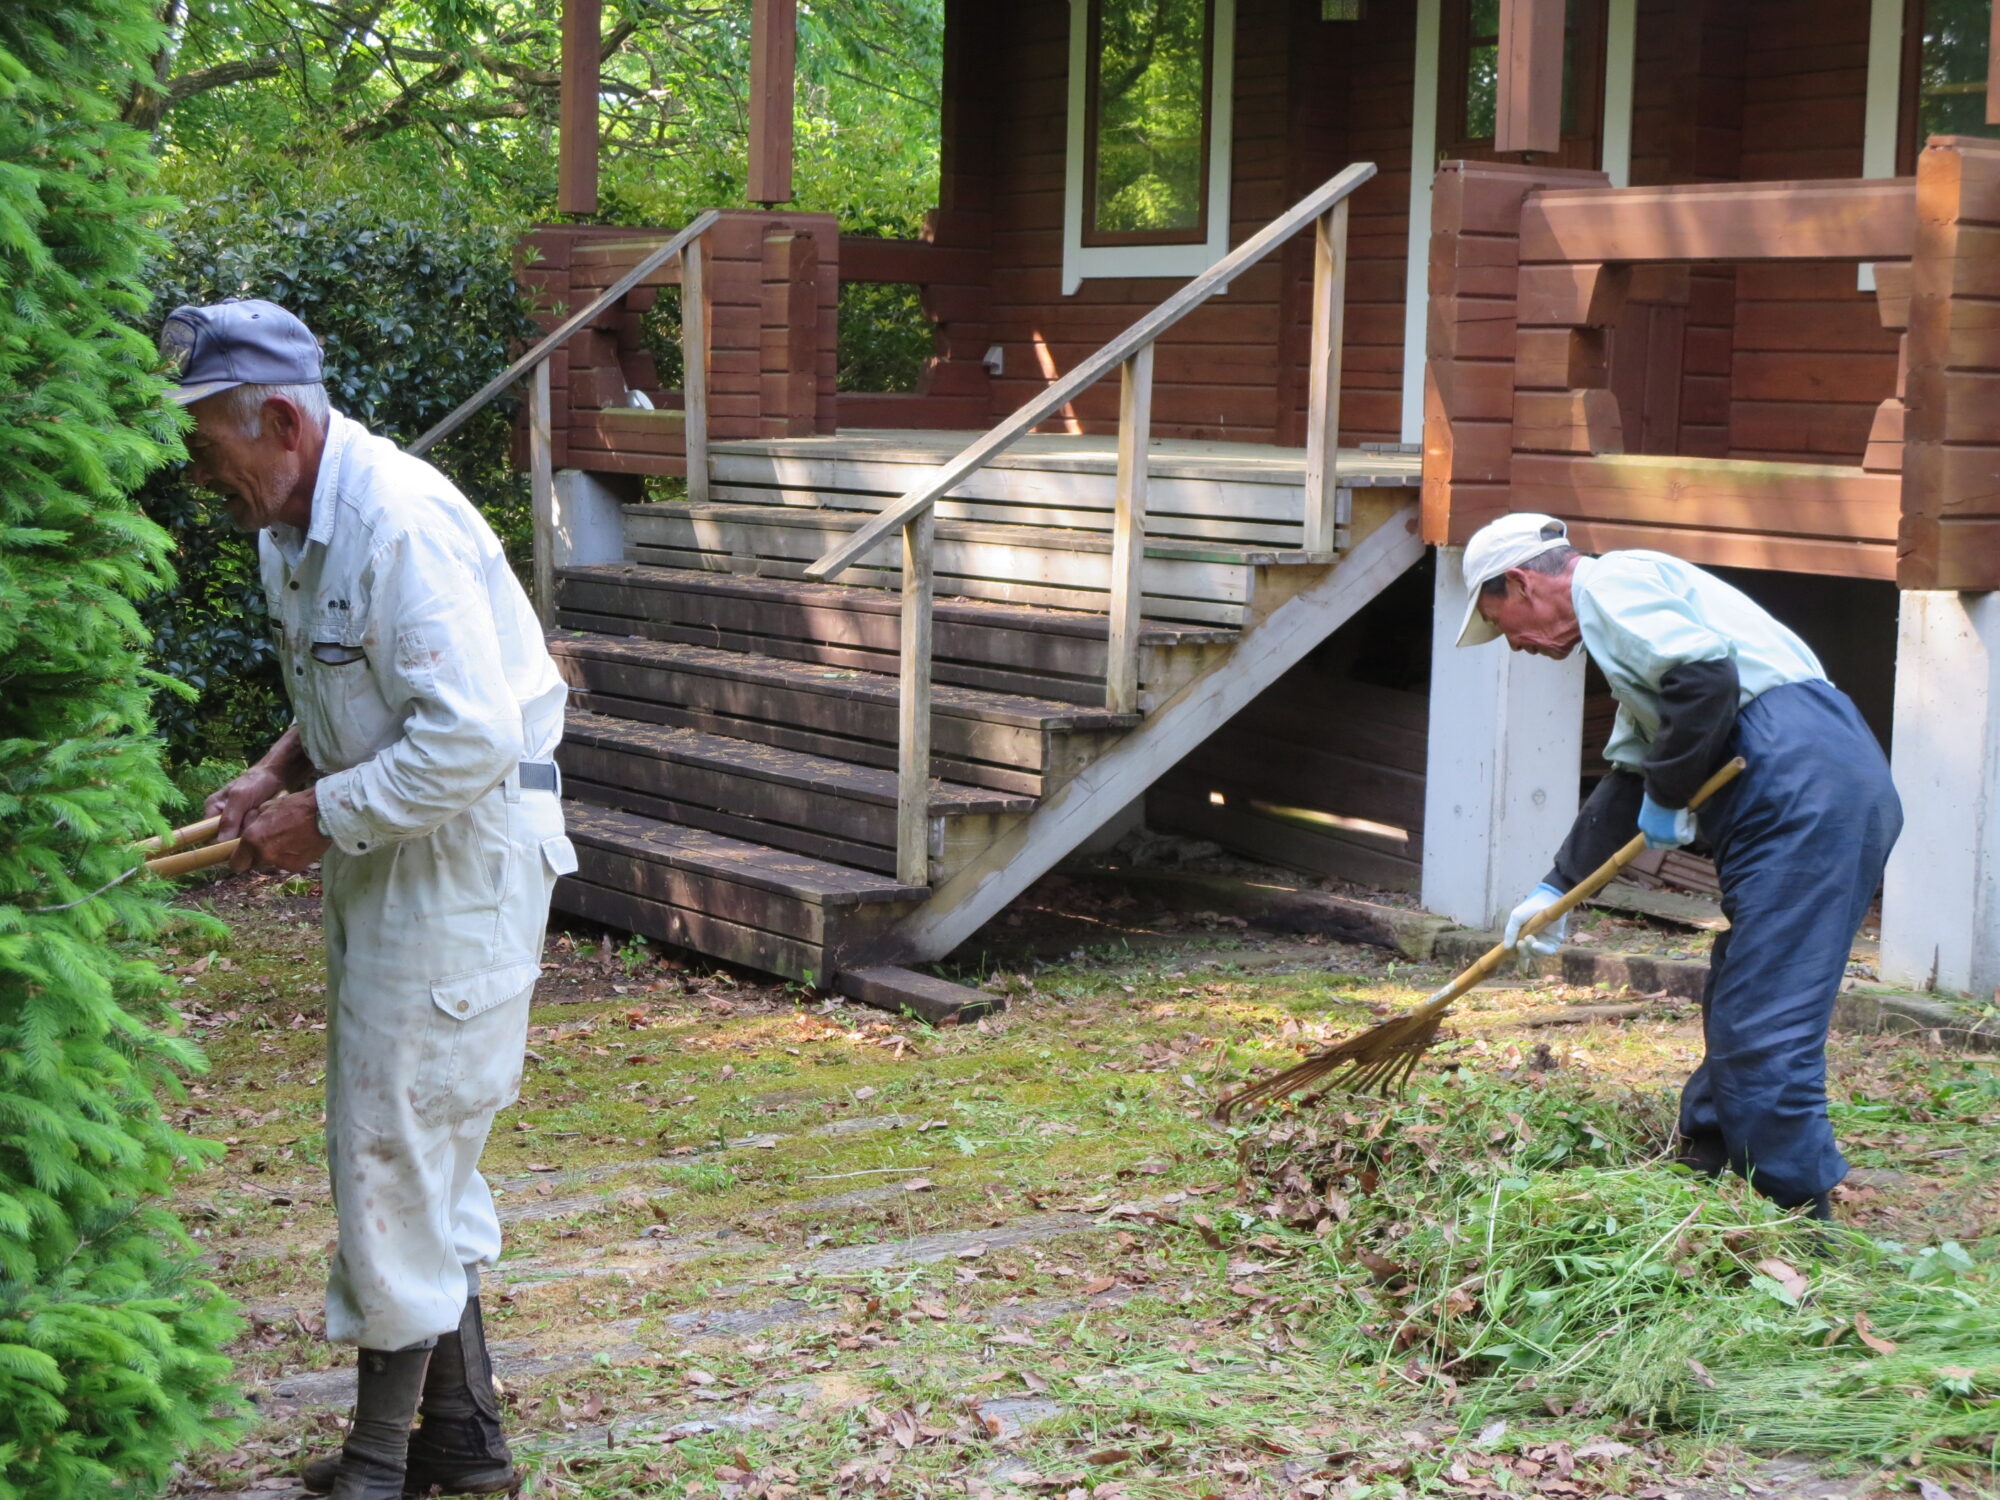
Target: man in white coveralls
(426, 712)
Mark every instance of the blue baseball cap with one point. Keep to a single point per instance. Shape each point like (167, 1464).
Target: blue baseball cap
(244, 342)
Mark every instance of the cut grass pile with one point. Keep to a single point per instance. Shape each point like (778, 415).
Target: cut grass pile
(1526, 1251)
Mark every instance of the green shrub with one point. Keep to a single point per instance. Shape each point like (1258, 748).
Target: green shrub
(884, 336)
(109, 1367)
(414, 318)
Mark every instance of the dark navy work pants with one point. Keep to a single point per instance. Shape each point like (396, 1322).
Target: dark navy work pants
(1799, 839)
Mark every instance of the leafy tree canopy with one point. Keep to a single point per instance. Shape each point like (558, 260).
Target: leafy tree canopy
(398, 99)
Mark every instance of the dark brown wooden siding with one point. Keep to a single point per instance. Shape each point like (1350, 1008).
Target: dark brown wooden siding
(1810, 360)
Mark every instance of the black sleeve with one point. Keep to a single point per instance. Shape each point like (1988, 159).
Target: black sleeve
(1607, 820)
(1697, 718)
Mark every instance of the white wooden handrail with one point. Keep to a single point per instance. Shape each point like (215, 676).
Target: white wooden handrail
(541, 469)
(561, 334)
(1096, 367)
(1131, 353)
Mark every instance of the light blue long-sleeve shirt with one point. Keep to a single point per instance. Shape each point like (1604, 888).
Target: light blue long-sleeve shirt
(1644, 613)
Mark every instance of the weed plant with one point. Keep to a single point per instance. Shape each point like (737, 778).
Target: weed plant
(1527, 1246)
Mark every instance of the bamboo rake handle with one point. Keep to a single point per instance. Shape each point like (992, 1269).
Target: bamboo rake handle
(174, 856)
(190, 860)
(1482, 968)
(194, 833)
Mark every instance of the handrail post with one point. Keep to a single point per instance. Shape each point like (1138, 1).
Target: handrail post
(694, 380)
(913, 730)
(1128, 531)
(1323, 529)
(542, 492)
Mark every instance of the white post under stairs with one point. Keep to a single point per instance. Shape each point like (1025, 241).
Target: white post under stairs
(1941, 896)
(1504, 760)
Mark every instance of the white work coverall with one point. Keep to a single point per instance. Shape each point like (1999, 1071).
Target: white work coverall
(425, 695)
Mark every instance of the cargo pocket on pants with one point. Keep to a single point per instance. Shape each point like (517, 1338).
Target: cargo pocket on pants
(474, 1042)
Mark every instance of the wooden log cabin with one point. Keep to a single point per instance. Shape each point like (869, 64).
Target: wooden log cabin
(1170, 526)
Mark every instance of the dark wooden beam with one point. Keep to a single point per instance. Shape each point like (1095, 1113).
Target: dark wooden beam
(774, 37)
(576, 160)
(1529, 116)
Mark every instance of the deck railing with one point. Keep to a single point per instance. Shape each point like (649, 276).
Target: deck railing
(694, 349)
(1131, 354)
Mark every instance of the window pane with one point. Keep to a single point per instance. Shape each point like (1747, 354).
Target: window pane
(1152, 115)
(1482, 91)
(1951, 87)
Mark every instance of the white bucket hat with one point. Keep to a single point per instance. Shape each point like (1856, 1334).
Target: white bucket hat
(1495, 548)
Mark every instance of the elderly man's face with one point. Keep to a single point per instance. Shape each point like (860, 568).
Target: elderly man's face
(1536, 613)
(255, 473)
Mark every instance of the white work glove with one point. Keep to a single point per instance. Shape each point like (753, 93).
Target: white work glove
(1545, 942)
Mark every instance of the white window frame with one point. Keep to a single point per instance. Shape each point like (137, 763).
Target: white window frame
(1883, 111)
(1621, 27)
(1081, 262)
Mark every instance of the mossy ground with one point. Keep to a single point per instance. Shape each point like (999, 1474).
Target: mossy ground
(693, 1144)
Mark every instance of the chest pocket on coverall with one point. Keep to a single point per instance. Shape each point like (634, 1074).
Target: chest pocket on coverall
(336, 673)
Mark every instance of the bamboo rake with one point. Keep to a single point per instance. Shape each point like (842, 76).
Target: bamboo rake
(1383, 1057)
(189, 860)
(175, 853)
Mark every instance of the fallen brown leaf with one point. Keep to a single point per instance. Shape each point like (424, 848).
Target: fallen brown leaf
(1870, 1337)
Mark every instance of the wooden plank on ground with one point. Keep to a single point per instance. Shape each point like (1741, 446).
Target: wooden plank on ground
(925, 996)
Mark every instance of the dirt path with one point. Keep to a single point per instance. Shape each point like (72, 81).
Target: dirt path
(762, 1244)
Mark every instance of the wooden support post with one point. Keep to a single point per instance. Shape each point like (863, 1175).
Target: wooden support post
(576, 156)
(913, 738)
(1322, 516)
(774, 36)
(1128, 530)
(1529, 113)
(694, 359)
(1993, 68)
(542, 489)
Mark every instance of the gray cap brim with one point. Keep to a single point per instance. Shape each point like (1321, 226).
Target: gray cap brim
(187, 395)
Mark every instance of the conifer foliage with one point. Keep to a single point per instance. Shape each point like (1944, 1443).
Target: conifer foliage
(109, 1367)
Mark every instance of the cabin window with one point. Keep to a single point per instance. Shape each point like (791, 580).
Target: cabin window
(1146, 179)
(1147, 132)
(1945, 72)
(1469, 80)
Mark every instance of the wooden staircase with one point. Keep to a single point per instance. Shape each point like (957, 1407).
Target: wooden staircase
(819, 778)
(730, 759)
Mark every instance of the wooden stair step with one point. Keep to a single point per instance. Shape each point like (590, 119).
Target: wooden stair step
(809, 804)
(978, 643)
(770, 909)
(1206, 583)
(1006, 742)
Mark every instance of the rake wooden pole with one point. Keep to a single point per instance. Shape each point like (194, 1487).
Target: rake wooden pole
(176, 853)
(1383, 1057)
(189, 860)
